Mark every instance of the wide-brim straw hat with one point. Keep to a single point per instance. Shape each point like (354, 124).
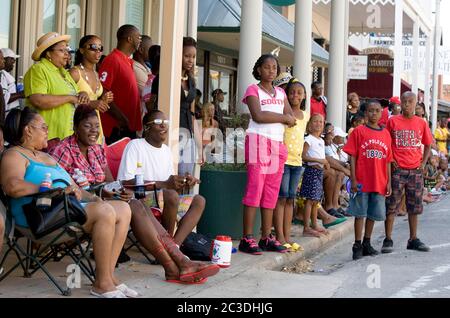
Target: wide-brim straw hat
(47, 41)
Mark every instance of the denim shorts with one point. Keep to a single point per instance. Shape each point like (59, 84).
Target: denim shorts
(290, 181)
(368, 205)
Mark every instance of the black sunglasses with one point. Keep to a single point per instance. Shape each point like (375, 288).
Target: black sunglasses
(95, 47)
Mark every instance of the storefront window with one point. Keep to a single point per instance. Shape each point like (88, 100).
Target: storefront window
(73, 22)
(222, 75)
(135, 13)
(5, 22)
(221, 79)
(49, 15)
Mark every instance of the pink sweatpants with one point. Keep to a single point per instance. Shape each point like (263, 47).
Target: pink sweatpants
(265, 159)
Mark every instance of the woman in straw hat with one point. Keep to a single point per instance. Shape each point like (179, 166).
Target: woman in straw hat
(50, 89)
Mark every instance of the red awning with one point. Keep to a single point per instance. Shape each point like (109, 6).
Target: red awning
(378, 86)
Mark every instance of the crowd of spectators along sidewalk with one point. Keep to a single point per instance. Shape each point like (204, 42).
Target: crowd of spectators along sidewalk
(312, 173)
(387, 158)
(70, 113)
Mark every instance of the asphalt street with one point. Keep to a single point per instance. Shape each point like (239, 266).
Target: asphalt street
(402, 274)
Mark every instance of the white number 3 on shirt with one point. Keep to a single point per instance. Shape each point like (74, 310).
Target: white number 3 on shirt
(104, 76)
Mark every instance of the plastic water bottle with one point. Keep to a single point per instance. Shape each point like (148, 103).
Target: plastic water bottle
(81, 180)
(46, 185)
(139, 191)
(20, 86)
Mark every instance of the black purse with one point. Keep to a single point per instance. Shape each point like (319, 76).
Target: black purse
(64, 209)
(197, 247)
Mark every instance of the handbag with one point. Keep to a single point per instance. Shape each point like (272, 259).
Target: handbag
(64, 209)
(197, 247)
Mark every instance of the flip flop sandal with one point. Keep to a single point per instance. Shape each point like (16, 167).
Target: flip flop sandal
(112, 294)
(289, 247)
(338, 221)
(127, 291)
(206, 272)
(297, 247)
(196, 282)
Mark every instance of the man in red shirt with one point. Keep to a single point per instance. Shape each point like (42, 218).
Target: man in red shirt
(318, 104)
(408, 133)
(117, 75)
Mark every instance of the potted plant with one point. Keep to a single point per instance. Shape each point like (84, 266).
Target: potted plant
(223, 186)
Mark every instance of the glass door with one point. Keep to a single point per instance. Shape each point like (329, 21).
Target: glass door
(223, 79)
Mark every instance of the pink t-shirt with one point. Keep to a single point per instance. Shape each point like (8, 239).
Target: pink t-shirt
(268, 103)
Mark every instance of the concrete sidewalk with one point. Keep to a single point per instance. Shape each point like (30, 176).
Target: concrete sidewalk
(148, 280)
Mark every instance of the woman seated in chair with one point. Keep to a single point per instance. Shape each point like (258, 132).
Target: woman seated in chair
(81, 151)
(23, 168)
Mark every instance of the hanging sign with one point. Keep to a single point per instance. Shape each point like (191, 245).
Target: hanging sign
(357, 67)
(381, 63)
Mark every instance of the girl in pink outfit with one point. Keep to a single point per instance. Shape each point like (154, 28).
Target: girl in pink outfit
(265, 153)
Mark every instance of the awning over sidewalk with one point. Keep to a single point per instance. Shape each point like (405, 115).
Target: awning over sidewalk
(219, 23)
(376, 86)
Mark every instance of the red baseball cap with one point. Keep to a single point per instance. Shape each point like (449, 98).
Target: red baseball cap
(395, 100)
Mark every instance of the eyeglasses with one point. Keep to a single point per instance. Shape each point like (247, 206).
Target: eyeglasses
(95, 48)
(158, 122)
(44, 128)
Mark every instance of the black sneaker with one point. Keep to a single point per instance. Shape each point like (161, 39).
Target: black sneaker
(417, 245)
(388, 246)
(368, 250)
(357, 251)
(248, 245)
(270, 244)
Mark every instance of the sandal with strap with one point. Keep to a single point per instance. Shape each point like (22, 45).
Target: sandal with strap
(289, 247)
(127, 291)
(195, 282)
(206, 271)
(112, 294)
(297, 247)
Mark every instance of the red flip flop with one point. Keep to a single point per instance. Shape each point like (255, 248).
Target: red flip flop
(195, 282)
(211, 270)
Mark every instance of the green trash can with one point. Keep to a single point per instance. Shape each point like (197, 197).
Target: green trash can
(223, 215)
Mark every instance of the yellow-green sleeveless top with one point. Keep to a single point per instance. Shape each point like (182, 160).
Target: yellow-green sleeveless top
(84, 86)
